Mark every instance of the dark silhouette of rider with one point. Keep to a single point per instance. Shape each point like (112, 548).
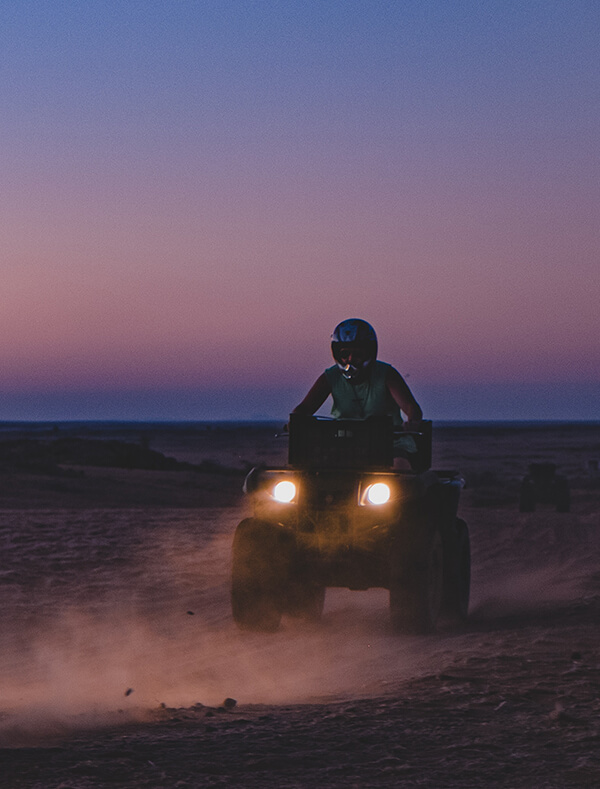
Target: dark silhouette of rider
(360, 385)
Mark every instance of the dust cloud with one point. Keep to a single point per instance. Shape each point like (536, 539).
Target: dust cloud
(115, 614)
(87, 640)
(82, 671)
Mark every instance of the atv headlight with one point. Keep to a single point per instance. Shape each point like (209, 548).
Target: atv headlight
(284, 492)
(378, 493)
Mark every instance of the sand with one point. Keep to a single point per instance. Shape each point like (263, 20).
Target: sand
(118, 651)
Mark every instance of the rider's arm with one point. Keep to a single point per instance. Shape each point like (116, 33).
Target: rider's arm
(319, 392)
(399, 390)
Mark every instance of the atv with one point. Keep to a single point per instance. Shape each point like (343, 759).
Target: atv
(341, 515)
(542, 485)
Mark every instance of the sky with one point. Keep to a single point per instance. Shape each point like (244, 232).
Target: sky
(194, 194)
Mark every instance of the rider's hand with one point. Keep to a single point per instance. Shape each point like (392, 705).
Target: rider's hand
(412, 427)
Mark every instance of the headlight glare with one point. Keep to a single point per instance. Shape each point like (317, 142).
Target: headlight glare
(378, 493)
(284, 492)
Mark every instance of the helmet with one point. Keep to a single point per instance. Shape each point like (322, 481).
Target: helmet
(357, 335)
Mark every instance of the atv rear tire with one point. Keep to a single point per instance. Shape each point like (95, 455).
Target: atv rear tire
(458, 582)
(562, 494)
(416, 589)
(259, 574)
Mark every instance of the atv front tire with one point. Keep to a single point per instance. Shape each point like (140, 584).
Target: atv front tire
(417, 586)
(259, 574)
(527, 496)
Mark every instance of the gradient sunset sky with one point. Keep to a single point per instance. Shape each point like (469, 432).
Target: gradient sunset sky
(194, 193)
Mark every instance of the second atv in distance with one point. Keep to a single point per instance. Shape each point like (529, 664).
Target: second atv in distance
(542, 485)
(340, 515)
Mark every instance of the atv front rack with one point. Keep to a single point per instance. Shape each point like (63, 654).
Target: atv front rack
(317, 443)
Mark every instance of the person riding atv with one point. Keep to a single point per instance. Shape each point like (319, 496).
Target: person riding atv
(361, 386)
(342, 514)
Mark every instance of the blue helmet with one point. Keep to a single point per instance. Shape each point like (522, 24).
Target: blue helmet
(355, 334)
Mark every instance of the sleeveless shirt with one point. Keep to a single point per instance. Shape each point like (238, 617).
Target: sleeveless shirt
(368, 397)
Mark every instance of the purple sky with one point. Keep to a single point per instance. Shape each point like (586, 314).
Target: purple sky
(195, 193)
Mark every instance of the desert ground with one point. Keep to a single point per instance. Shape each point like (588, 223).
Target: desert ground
(120, 665)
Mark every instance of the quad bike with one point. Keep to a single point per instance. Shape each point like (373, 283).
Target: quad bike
(340, 515)
(542, 485)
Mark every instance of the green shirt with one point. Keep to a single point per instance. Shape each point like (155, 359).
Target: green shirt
(368, 397)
